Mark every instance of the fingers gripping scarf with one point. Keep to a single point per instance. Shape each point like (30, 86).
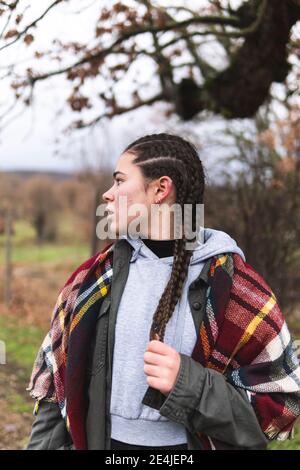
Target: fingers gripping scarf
(243, 336)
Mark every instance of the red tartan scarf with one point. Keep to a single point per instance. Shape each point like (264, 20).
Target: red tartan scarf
(243, 336)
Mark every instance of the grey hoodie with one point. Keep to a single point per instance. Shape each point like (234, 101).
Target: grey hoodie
(133, 422)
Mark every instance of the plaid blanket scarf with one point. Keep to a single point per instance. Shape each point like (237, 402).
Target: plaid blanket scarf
(243, 336)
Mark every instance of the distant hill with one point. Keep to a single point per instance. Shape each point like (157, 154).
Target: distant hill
(27, 174)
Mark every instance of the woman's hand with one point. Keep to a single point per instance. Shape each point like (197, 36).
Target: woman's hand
(162, 365)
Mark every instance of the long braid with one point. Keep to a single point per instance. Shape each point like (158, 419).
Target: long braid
(165, 154)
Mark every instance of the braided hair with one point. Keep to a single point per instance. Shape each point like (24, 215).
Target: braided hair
(170, 155)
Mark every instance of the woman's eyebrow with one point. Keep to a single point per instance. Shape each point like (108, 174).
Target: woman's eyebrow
(116, 172)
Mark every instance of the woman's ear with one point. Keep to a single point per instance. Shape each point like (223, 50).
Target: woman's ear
(164, 188)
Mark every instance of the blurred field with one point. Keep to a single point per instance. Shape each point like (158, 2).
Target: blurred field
(39, 273)
(69, 246)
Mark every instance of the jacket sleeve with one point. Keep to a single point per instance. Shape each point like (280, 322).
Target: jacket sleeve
(203, 401)
(49, 430)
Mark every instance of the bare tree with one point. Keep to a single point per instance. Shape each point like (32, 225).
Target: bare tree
(255, 39)
(259, 204)
(41, 207)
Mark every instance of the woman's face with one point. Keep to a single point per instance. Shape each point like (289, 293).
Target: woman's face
(128, 199)
(128, 189)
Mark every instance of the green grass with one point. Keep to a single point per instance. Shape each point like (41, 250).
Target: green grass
(24, 232)
(21, 342)
(18, 404)
(47, 253)
(26, 250)
(289, 444)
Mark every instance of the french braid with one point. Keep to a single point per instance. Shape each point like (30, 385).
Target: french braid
(170, 155)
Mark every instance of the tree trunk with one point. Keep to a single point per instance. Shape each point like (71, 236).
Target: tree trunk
(240, 89)
(8, 263)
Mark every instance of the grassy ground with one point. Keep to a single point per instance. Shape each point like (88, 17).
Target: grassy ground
(22, 341)
(39, 272)
(290, 444)
(16, 406)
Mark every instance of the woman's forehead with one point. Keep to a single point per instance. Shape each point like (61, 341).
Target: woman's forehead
(125, 165)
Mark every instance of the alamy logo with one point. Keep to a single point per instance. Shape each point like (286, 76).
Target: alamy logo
(164, 221)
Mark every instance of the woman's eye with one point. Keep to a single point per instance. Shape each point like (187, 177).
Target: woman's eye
(118, 181)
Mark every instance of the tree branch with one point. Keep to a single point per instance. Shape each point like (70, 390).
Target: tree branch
(206, 69)
(164, 66)
(119, 111)
(34, 23)
(6, 24)
(135, 32)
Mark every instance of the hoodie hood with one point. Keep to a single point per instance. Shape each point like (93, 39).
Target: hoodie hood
(213, 242)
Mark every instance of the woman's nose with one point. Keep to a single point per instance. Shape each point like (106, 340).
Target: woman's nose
(107, 196)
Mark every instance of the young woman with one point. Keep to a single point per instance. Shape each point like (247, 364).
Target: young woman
(157, 345)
